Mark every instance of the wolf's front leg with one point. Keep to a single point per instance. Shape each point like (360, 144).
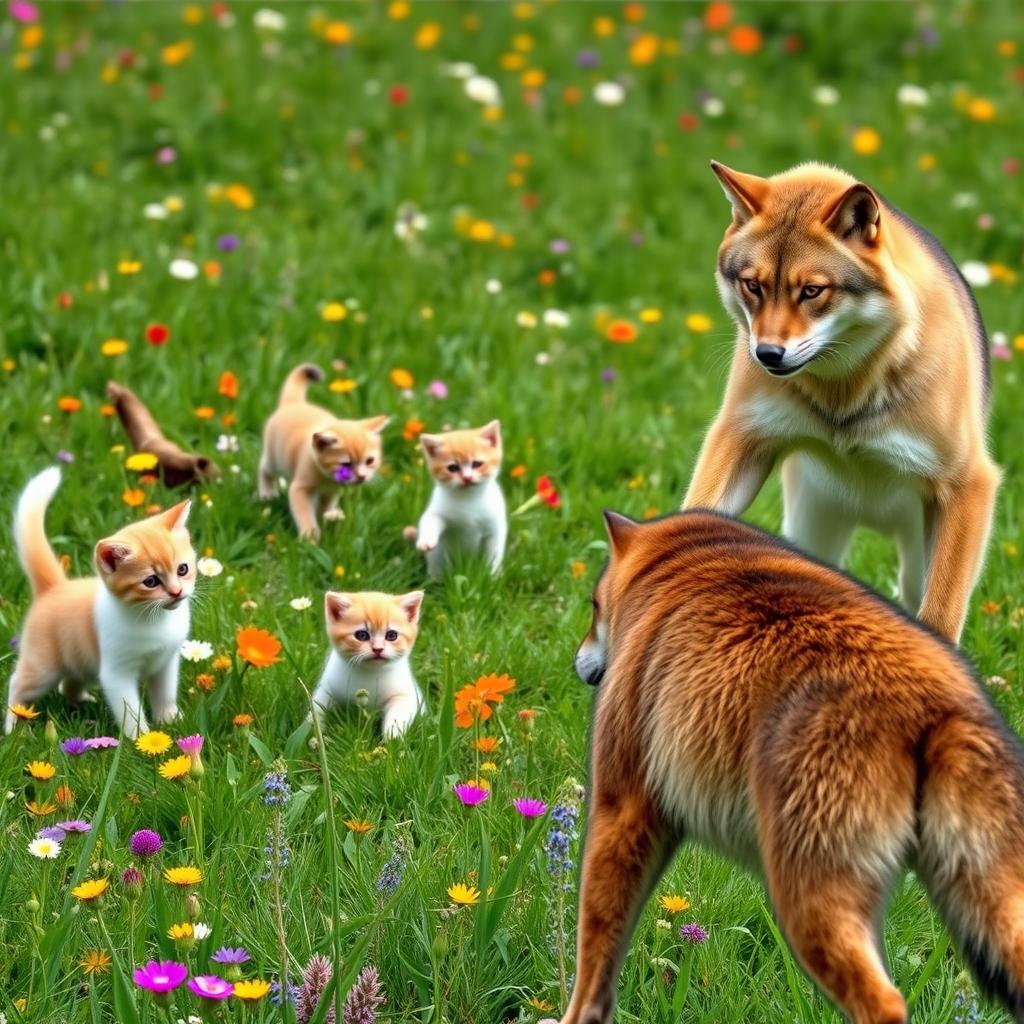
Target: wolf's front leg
(732, 467)
(163, 690)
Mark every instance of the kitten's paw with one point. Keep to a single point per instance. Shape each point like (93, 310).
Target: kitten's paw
(334, 515)
(312, 534)
(167, 714)
(426, 544)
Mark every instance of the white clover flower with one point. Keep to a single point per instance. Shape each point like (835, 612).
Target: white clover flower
(300, 604)
(609, 94)
(976, 273)
(227, 443)
(209, 567)
(155, 211)
(183, 270)
(269, 21)
(910, 95)
(556, 318)
(459, 69)
(492, 286)
(44, 849)
(196, 650)
(713, 107)
(825, 95)
(482, 89)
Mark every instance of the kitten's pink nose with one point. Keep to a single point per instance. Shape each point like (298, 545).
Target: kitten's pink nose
(378, 651)
(360, 477)
(466, 479)
(174, 594)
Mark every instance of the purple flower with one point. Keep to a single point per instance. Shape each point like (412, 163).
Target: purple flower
(65, 456)
(315, 978)
(13, 642)
(75, 746)
(132, 880)
(530, 808)
(52, 832)
(160, 977)
(228, 243)
(588, 59)
(165, 155)
(209, 986)
(75, 825)
(470, 795)
(191, 745)
(608, 375)
(438, 389)
(102, 742)
(364, 998)
(344, 474)
(231, 955)
(693, 933)
(559, 246)
(145, 843)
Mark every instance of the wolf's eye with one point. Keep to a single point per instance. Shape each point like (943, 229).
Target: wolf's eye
(391, 635)
(362, 635)
(811, 291)
(477, 464)
(151, 582)
(752, 285)
(453, 467)
(183, 569)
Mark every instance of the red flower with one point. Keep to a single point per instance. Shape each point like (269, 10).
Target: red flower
(548, 492)
(398, 95)
(156, 91)
(688, 122)
(65, 300)
(158, 334)
(228, 385)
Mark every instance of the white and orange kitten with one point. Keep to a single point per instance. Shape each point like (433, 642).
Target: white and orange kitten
(466, 512)
(316, 452)
(372, 636)
(123, 627)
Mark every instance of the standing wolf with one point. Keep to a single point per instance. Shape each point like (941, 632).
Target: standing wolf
(862, 362)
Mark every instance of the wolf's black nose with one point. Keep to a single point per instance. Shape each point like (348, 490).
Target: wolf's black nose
(770, 355)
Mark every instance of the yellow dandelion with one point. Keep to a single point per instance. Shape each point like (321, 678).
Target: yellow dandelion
(176, 768)
(463, 895)
(342, 385)
(180, 931)
(40, 770)
(334, 311)
(129, 267)
(427, 35)
(114, 347)
(153, 743)
(183, 876)
(866, 141)
(980, 109)
(90, 890)
(699, 323)
(674, 904)
(141, 462)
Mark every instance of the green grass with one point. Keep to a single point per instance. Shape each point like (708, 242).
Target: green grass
(329, 159)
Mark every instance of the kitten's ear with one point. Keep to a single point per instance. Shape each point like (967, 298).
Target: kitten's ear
(492, 433)
(176, 517)
(324, 439)
(855, 216)
(621, 530)
(746, 192)
(110, 554)
(431, 444)
(411, 604)
(336, 606)
(375, 424)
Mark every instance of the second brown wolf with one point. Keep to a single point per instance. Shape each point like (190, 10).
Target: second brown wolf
(777, 711)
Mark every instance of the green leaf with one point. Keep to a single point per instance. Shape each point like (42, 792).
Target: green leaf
(297, 741)
(262, 750)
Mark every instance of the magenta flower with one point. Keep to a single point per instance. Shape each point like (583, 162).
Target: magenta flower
(209, 986)
(530, 808)
(102, 742)
(160, 977)
(191, 745)
(693, 933)
(75, 746)
(438, 389)
(132, 880)
(469, 794)
(23, 11)
(145, 843)
(344, 475)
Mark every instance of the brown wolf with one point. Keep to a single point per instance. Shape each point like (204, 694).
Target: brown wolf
(861, 360)
(776, 710)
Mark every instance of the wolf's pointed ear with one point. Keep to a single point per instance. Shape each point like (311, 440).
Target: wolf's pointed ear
(176, 517)
(410, 604)
(746, 192)
(110, 554)
(855, 216)
(336, 606)
(620, 530)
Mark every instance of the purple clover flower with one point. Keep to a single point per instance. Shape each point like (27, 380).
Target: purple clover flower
(75, 746)
(145, 843)
(79, 825)
(228, 243)
(344, 474)
(693, 934)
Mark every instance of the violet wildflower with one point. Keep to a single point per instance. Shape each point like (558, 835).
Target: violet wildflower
(470, 795)
(228, 243)
(344, 474)
(52, 832)
(693, 934)
(102, 742)
(290, 995)
(588, 59)
(364, 998)
(608, 375)
(75, 746)
(559, 246)
(390, 876)
(231, 961)
(315, 979)
(74, 825)
(276, 791)
(65, 456)
(209, 986)
(530, 808)
(193, 746)
(145, 843)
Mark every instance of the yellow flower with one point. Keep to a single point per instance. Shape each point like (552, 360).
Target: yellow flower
(176, 53)
(866, 141)
(32, 36)
(342, 385)
(650, 315)
(153, 743)
(23, 711)
(533, 78)
(183, 876)
(114, 347)
(40, 810)
(402, 378)
(334, 311)
(980, 109)
(221, 663)
(338, 33)
(141, 462)
(699, 323)
(482, 231)
(427, 35)
(464, 895)
(240, 196)
(180, 931)
(540, 1004)
(192, 15)
(355, 825)
(927, 161)
(95, 961)
(644, 49)
(578, 568)
(252, 989)
(675, 904)
(90, 890)
(129, 267)
(40, 770)
(604, 27)
(398, 10)
(176, 768)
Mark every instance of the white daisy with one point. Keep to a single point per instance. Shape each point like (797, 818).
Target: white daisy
(825, 95)
(209, 567)
(44, 849)
(976, 273)
(227, 443)
(556, 318)
(300, 604)
(269, 21)
(154, 211)
(201, 931)
(196, 650)
(482, 89)
(183, 270)
(910, 95)
(609, 94)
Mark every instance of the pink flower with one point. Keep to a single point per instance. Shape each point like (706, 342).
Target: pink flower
(530, 808)
(190, 745)
(438, 389)
(23, 10)
(160, 977)
(209, 986)
(469, 794)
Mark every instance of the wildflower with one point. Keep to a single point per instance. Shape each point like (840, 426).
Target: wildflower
(251, 990)
(276, 790)
(334, 312)
(745, 39)
(164, 976)
(866, 141)
(257, 646)
(242, 721)
(44, 849)
(183, 270)
(980, 109)
(358, 826)
(145, 843)
(825, 95)
(102, 742)
(609, 94)
(133, 497)
(52, 832)
(337, 33)
(153, 743)
(90, 890)
(556, 318)
(412, 429)
(175, 768)
(390, 876)
(41, 771)
(540, 1004)
(40, 810)
(473, 701)
(209, 567)
(910, 95)
(300, 604)
(402, 378)
(427, 35)
(547, 492)
(530, 808)
(68, 403)
(231, 955)
(141, 462)
(483, 90)
(464, 895)
(191, 745)
(674, 904)
(209, 986)
(132, 880)
(487, 744)
(23, 712)
(76, 826)
(228, 243)
(364, 998)
(114, 347)
(470, 794)
(183, 876)
(95, 961)
(158, 334)
(699, 323)
(196, 650)
(315, 978)
(693, 934)
(559, 840)
(181, 933)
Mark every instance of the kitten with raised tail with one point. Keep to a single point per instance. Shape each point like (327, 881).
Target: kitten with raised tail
(466, 512)
(372, 636)
(315, 452)
(124, 626)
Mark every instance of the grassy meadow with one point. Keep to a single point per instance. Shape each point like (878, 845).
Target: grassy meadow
(199, 197)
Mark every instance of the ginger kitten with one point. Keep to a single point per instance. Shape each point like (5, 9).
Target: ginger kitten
(124, 626)
(779, 712)
(372, 636)
(466, 512)
(316, 452)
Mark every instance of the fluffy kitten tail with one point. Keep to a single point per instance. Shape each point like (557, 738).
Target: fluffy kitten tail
(297, 381)
(971, 847)
(37, 557)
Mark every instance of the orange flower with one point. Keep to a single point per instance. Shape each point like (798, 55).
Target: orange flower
(107, 410)
(622, 332)
(517, 471)
(402, 378)
(241, 720)
(65, 796)
(205, 681)
(206, 412)
(473, 701)
(486, 744)
(717, 15)
(413, 429)
(40, 810)
(68, 403)
(258, 647)
(133, 497)
(228, 385)
(745, 39)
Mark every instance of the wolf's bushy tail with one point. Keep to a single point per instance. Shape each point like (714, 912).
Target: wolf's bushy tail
(295, 384)
(971, 846)
(37, 557)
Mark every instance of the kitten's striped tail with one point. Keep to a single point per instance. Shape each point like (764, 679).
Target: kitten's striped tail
(37, 557)
(297, 381)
